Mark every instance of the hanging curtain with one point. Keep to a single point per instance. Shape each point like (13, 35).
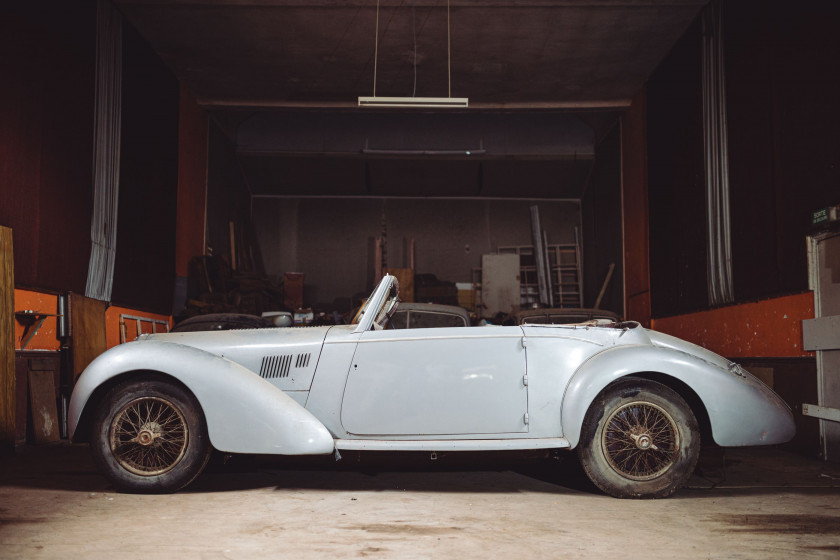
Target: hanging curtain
(719, 243)
(106, 151)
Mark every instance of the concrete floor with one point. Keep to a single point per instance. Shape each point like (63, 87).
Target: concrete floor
(746, 503)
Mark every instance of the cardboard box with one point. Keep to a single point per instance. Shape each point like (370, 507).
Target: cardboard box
(303, 316)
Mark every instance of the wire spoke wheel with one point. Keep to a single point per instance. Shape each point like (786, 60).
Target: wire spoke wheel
(640, 440)
(149, 436)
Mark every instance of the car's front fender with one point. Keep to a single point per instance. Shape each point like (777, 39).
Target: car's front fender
(244, 412)
(741, 409)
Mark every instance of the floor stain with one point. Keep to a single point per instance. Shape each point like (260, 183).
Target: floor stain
(21, 520)
(391, 528)
(781, 523)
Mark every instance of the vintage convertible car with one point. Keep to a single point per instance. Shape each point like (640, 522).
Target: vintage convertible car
(632, 402)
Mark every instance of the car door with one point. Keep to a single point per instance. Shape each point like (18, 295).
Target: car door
(437, 382)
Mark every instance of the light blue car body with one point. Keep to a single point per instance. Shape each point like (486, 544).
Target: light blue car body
(317, 390)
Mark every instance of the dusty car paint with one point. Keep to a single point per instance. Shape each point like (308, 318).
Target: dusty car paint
(244, 413)
(321, 389)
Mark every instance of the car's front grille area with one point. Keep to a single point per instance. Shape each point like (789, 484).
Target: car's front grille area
(274, 367)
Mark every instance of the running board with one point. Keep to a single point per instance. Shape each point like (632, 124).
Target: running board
(451, 444)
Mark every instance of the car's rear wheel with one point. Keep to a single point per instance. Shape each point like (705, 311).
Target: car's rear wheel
(639, 440)
(150, 436)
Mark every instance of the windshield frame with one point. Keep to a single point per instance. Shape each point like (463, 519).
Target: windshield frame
(378, 307)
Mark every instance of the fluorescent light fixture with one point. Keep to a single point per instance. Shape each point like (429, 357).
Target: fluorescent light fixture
(419, 102)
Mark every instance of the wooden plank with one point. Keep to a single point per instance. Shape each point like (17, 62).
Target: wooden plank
(42, 405)
(42, 364)
(87, 331)
(824, 412)
(7, 341)
(24, 363)
(22, 399)
(405, 276)
(293, 290)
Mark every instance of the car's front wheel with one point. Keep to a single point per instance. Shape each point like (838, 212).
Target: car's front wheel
(639, 440)
(150, 436)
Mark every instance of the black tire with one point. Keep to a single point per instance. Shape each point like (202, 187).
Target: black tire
(149, 436)
(639, 440)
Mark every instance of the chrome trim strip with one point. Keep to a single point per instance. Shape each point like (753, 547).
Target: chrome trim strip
(415, 338)
(451, 444)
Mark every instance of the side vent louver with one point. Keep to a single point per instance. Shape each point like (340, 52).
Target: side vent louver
(273, 367)
(302, 360)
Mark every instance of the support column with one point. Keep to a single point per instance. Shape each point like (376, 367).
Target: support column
(192, 192)
(635, 210)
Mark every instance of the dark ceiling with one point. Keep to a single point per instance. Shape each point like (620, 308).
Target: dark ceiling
(244, 60)
(522, 54)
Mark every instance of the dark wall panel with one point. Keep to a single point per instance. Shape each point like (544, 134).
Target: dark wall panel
(144, 271)
(675, 181)
(601, 224)
(228, 197)
(782, 94)
(784, 151)
(331, 240)
(46, 139)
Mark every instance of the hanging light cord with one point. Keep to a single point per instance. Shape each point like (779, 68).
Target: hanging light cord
(448, 50)
(414, 31)
(414, 28)
(376, 49)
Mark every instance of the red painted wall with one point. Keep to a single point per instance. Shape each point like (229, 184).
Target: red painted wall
(192, 182)
(766, 329)
(45, 337)
(634, 199)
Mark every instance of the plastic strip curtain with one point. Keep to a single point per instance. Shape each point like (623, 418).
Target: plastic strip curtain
(719, 243)
(106, 151)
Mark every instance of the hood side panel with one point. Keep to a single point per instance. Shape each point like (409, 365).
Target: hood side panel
(285, 357)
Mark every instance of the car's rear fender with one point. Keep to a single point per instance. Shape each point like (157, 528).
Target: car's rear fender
(741, 410)
(244, 412)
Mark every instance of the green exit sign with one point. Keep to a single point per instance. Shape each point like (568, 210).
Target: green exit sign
(828, 214)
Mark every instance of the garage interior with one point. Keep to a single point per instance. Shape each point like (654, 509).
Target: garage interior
(164, 158)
